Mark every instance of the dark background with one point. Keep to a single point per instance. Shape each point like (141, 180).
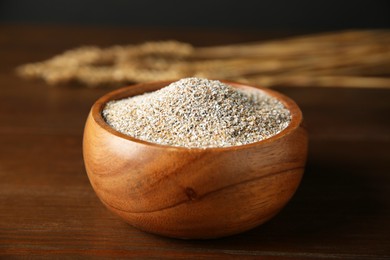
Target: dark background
(268, 14)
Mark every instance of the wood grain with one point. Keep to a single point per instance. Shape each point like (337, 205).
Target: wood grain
(48, 208)
(193, 193)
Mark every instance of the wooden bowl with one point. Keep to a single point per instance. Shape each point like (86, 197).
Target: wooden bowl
(192, 192)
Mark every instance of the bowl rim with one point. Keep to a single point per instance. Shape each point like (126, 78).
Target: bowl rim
(131, 90)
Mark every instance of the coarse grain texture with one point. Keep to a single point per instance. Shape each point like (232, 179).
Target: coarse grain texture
(195, 112)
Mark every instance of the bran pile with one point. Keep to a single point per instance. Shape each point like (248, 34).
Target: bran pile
(198, 113)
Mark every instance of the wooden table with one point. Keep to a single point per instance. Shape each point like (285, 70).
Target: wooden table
(48, 208)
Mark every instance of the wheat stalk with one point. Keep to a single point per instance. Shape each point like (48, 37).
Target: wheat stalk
(346, 59)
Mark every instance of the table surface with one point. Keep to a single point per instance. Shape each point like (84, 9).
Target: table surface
(48, 208)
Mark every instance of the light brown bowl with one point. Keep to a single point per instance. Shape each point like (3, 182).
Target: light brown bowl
(192, 192)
